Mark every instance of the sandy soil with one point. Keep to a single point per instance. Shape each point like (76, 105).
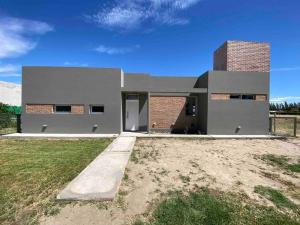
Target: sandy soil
(160, 165)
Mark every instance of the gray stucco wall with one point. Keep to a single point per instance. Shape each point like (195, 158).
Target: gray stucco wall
(62, 85)
(202, 82)
(143, 112)
(70, 85)
(157, 84)
(224, 116)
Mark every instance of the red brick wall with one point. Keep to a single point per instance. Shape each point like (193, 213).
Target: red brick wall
(77, 109)
(39, 108)
(220, 96)
(169, 112)
(243, 56)
(48, 109)
(261, 98)
(220, 58)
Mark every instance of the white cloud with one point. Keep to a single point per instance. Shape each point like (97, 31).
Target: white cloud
(131, 14)
(285, 99)
(115, 51)
(10, 70)
(286, 69)
(16, 35)
(67, 63)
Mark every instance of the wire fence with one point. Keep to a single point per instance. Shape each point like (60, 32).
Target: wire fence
(285, 125)
(9, 123)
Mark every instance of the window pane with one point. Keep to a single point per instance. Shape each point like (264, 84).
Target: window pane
(63, 108)
(97, 109)
(235, 96)
(248, 97)
(132, 97)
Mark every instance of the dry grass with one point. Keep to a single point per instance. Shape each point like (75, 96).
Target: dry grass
(232, 168)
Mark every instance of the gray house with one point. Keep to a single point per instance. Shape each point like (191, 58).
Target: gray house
(231, 99)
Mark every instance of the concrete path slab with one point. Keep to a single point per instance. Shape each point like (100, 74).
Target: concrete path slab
(200, 136)
(101, 179)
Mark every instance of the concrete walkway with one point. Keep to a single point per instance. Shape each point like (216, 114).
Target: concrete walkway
(101, 179)
(199, 136)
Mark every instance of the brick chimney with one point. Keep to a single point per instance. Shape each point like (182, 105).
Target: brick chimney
(243, 56)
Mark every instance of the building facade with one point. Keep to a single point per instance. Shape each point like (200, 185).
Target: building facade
(231, 99)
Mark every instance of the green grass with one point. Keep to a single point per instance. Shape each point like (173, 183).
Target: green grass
(205, 207)
(275, 196)
(32, 172)
(8, 130)
(282, 162)
(184, 179)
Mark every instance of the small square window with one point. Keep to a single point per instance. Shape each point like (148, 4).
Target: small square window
(63, 109)
(235, 96)
(96, 109)
(248, 97)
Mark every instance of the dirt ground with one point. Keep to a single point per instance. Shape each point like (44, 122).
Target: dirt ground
(160, 165)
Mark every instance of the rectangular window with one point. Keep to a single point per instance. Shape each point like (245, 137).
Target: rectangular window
(63, 109)
(235, 96)
(248, 97)
(96, 109)
(190, 106)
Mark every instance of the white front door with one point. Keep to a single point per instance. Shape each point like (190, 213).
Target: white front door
(132, 114)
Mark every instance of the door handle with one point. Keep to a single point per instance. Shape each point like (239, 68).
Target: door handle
(127, 114)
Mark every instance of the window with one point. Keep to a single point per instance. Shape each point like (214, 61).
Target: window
(63, 109)
(190, 106)
(132, 97)
(235, 96)
(248, 97)
(96, 109)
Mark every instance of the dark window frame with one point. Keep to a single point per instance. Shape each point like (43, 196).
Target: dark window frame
(235, 96)
(91, 111)
(62, 112)
(245, 97)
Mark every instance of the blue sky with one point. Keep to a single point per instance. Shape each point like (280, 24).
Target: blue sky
(161, 37)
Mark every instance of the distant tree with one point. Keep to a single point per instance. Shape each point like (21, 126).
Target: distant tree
(285, 107)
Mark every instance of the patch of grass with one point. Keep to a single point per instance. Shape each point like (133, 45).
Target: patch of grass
(134, 157)
(275, 196)
(8, 130)
(294, 167)
(138, 222)
(184, 179)
(206, 207)
(32, 172)
(282, 162)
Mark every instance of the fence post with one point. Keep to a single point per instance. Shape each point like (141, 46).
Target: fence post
(295, 127)
(18, 123)
(275, 123)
